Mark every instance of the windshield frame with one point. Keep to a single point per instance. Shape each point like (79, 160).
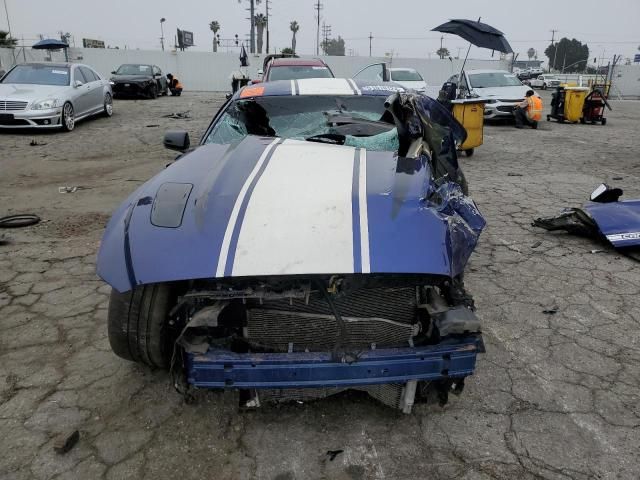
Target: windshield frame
(137, 65)
(228, 104)
(503, 74)
(392, 72)
(6, 77)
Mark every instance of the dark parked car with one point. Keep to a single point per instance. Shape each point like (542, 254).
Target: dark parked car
(138, 80)
(313, 242)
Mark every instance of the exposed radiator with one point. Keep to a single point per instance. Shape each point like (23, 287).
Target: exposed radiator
(385, 317)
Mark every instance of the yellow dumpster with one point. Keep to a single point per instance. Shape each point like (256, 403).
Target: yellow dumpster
(470, 113)
(574, 103)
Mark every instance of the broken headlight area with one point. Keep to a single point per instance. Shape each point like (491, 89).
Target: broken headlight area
(396, 338)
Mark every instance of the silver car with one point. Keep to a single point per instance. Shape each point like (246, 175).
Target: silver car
(52, 95)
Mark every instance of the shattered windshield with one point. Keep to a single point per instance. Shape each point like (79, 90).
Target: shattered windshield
(346, 120)
(493, 79)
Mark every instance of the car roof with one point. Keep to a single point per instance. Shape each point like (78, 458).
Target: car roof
(319, 86)
(402, 69)
(50, 64)
(302, 62)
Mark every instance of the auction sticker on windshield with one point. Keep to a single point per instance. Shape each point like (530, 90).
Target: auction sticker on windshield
(60, 72)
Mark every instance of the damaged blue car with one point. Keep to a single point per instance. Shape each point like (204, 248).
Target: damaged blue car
(314, 242)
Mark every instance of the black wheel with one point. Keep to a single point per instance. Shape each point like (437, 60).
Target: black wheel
(603, 121)
(108, 105)
(469, 152)
(534, 125)
(138, 324)
(153, 91)
(19, 221)
(68, 118)
(582, 120)
(548, 118)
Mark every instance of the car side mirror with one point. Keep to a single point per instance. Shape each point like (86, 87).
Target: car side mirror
(177, 140)
(113, 73)
(228, 95)
(77, 84)
(260, 72)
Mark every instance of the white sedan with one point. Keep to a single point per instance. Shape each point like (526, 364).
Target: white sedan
(52, 95)
(544, 82)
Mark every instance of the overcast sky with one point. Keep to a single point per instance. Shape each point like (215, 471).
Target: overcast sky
(398, 26)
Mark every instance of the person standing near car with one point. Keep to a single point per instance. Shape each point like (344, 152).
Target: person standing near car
(174, 85)
(529, 111)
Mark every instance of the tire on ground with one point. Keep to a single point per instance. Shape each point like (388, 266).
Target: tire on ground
(138, 324)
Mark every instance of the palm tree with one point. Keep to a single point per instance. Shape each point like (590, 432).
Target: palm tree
(6, 41)
(531, 53)
(214, 26)
(261, 21)
(294, 27)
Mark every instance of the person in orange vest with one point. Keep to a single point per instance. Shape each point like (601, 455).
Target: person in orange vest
(529, 111)
(174, 85)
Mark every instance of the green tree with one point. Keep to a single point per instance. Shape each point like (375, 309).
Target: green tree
(261, 22)
(287, 51)
(214, 26)
(334, 47)
(6, 41)
(443, 52)
(294, 27)
(570, 54)
(531, 53)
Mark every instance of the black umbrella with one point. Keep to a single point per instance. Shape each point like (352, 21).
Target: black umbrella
(244, 58)
(477, 33)
(52, 44)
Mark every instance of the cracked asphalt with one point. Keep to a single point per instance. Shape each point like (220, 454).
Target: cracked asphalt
(556, 396)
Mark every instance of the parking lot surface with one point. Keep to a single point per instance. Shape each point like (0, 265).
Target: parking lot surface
(557, 395)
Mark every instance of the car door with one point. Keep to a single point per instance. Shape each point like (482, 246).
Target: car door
(95, 99)
(537, 82)
(161, 81)
(376, 72)
(81, 92)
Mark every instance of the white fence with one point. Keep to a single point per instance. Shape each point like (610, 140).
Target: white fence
(208, 71)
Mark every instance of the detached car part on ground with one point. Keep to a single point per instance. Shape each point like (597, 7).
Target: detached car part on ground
(605, 218)
(315, 241)
(52, 95)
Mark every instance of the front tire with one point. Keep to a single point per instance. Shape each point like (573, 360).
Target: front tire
(544, 86)
(67, 117)
(138, 324)
(108, 105)
(153, 92)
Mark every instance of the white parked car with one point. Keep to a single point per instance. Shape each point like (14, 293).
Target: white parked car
(499, 89)
(52, 95)
(544, 82)
(407, 78)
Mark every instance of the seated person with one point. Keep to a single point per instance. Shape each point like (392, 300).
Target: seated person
(529, 111)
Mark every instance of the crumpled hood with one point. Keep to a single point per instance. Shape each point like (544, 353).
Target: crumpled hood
(269, 206)
(15, 91)
(516, 92)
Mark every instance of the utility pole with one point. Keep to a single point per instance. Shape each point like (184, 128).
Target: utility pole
(252, 12)
(326, 33)
(318, 6)
(162, 20)
(553, 36)
(6, 11)
(267, 8)
(370, 39)
(441, 40)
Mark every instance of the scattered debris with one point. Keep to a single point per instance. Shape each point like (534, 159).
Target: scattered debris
(66, 441)
(71, 189)
(597, 251)
(333, 454)
(617, 178)
(3, 239)
(536, 245)
(152, 125)
(186, 114)
(35, 143)
(551, 311)
(19, 220)
(511, 174)
(509, 246)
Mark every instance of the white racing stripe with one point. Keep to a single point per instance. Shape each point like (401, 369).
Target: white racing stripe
(364, 217)
(354, 86)
(293, 87)
(224, 249)
(324, 86)
(299, 219)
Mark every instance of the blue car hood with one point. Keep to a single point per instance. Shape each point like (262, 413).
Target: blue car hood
(268, 206)
(618, 221)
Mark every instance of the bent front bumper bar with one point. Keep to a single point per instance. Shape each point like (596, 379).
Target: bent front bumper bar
(224, 369)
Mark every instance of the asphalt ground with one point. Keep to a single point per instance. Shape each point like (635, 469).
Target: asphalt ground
(556, 395)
